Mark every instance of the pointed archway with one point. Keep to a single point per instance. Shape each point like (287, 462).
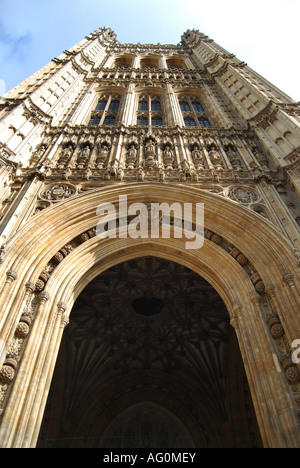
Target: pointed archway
(61, 256)
(149, 360)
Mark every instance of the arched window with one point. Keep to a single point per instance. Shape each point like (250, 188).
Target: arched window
(109, 120)
(156, 106)
(184, 106)
(114, 105)
(106, 110)
(94, 120)
(143, 106)
(194, 114)
(150, 62)
(157, 121)
(197, 106)
(189, 122)
(142, 121)
(101, 105)
(204, 122)
(149, 110)
(176, 62)
(124, 61)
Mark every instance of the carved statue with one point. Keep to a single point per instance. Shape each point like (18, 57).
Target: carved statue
(198, 158)
(36, 156)
(131, 157)
(260, 159)
(234, 160)
(150, 155)
(150, 148)
(168, 158)
(216, 160)
(102, 157)
(120, 174)
(83, 156)
(140, 174)
(65, 155)
(2, 252)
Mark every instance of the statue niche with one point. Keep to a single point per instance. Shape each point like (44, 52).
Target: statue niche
(102, 156)
(168, 157)
(83, 157)
(131, 157)
(198, 158)
(233, 158)
(215, 158)
(65, 155)
(150, 155)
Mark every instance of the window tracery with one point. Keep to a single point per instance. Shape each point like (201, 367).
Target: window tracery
(106, 111)
(193, 112)
(149, 111)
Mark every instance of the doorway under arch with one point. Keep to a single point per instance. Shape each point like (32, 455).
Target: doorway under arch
(149, 360)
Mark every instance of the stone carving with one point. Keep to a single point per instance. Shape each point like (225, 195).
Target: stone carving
(150, 155)
(216, 159)
(140, 174)
(2, 253)
(65, 155)
(37, 155)
(131, 157)
(83, 157)
(242, 195)
(58, 192)
(102, 156)
(198, 158)
(260, 159)
(168, 158)
(234, 159)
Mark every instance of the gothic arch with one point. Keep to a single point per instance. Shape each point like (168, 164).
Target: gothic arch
(262, 303)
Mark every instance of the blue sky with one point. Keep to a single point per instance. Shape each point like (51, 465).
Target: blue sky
(263, 33)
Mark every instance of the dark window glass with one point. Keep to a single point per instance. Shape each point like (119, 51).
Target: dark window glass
(155, 106)
(204, 122)
(114, 105)
(156, 121)
(94, 120)
(197, 107)
(110, 120)
(143, 105)
(189, 122)
(142, 121)
(101, 105)
(184, 106)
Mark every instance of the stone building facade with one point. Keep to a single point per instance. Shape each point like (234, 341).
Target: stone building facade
(165, 347)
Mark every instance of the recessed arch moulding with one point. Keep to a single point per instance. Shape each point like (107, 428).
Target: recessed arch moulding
(43, 276)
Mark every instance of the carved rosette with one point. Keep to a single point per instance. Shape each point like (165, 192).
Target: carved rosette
(58, 192)
(242, 195)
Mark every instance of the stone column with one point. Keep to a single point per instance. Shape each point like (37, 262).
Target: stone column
(275, 412)
(136, 61)
(173, 112)
(128, 114)
(54, 342)
(163, 62)
(16, 426)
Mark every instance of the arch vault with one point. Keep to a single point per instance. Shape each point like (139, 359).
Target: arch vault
(56, 254)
